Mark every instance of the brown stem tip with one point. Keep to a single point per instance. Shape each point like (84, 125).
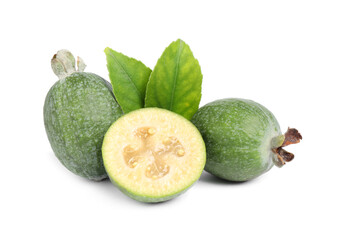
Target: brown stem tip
(292, 136)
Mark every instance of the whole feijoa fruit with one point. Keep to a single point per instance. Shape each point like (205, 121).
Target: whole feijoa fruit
(243, 139)
(78, 110)
(153, 154)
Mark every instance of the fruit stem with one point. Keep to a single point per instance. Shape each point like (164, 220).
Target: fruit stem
(292, 136)
(63, 64)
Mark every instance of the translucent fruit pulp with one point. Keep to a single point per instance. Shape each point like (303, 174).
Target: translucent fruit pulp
(150, 155)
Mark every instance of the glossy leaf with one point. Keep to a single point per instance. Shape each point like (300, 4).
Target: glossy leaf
(175, 83)
(129, 78)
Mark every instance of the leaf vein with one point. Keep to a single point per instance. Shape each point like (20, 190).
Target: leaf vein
(176, 75)
(126, 73)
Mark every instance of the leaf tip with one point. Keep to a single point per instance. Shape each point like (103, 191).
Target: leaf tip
(108, 50)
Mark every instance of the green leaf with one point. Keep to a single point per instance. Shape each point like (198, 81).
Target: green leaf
(129, 78)
(176, 81)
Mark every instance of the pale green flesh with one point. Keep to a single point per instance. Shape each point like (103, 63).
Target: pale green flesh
(78, 111)
(239, 135)
(132, 192)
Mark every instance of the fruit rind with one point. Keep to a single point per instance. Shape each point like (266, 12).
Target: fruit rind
(125, 188)
(77, 112)
(238, 134)
(149, 198)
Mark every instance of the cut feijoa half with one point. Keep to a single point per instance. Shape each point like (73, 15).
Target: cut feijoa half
(153, 154)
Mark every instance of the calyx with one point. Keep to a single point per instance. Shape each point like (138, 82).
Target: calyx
(292, 136)
(63, 64)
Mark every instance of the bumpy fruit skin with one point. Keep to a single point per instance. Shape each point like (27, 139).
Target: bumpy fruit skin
(78, 110)
(239, 135)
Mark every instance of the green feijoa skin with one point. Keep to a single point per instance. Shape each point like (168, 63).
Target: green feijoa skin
(153, 155)
(243, 139)
(129, 78)
(176, 81)
(78, 110)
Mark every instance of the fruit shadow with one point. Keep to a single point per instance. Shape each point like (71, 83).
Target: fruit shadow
(209, 178)
(114, 191)
(107, 187)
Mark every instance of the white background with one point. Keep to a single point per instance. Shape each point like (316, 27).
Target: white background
(282, 54)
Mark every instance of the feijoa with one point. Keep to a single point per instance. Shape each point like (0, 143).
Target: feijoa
(243, 139)
(153, 154)
(78, 110)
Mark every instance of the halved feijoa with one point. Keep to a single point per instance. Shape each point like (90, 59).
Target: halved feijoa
(153, 154)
